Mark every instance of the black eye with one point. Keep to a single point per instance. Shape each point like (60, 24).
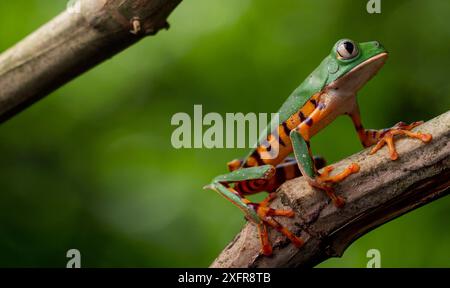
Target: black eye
(347, 50)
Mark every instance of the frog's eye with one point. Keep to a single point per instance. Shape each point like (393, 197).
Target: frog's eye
(346, 50)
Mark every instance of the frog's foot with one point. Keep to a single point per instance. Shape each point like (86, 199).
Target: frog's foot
(401, 128)
(258, 213)
(323, 181)
(265, 213)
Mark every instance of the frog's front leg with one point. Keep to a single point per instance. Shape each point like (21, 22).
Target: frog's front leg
(300, 143)
(257, 213)
(383, 137)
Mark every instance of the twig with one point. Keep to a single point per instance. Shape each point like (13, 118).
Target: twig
(72, 43)
(381, 191)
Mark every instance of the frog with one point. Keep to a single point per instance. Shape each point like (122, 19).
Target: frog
(328, 92)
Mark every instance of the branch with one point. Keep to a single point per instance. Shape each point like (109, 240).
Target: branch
(72, 43)
(380, 192)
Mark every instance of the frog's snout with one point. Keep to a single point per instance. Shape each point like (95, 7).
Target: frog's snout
(377, 45)
(372, 48)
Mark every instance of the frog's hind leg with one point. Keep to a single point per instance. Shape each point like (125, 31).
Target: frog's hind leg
(258, 213)
(221, 184)
(266, 212)
(285, 171)
(266, 247)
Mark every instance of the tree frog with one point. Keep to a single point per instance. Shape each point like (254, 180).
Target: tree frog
(329, 91)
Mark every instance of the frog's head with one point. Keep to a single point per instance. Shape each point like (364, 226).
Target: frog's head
(351, 65)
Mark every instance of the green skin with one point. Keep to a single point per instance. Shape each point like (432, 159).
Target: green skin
(342, 78)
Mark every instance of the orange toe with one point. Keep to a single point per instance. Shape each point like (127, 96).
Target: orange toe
(324, 177)
(265, 213)
(400, 128)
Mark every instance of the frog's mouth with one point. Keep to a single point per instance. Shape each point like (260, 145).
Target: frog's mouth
(361, 74)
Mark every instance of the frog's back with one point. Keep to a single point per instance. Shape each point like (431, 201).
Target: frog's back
(294, 110)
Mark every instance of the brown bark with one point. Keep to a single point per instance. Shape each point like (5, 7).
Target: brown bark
(381, 191)
(72, 43)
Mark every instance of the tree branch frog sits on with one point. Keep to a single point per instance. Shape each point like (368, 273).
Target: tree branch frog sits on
(329, 91)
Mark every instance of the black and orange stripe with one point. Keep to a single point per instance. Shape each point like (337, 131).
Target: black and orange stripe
(278, 143)
(285, 171)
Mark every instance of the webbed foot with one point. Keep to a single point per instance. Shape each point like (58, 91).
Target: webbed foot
(265, 213)
(260, 214)
(401, 128)
(323, 181)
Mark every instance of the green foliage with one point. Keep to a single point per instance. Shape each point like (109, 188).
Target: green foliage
(92, 167)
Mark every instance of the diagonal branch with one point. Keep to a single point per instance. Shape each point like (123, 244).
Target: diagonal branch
(380, 192)
(72, 43)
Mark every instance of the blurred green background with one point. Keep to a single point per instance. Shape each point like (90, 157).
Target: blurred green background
(91, 166)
